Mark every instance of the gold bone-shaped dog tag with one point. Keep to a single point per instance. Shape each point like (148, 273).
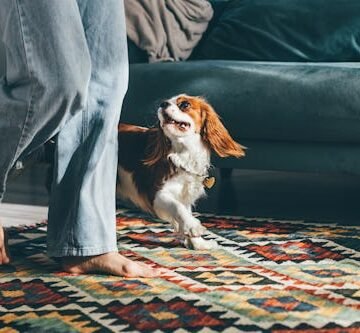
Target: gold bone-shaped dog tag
(209, 182)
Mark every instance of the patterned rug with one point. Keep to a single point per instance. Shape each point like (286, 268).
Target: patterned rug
(267, 276)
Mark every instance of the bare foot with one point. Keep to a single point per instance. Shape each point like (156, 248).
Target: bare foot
(109, 263)
(4, 252)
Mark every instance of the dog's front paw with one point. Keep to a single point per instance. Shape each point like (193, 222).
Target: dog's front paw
(197, 231)
(194, 228)
(199, 243)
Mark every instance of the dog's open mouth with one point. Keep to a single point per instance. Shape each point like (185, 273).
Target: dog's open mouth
(183, 125)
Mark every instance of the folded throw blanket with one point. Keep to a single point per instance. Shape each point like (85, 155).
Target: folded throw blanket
(167, 30)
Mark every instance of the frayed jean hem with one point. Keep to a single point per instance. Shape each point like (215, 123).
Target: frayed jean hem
(79, 252)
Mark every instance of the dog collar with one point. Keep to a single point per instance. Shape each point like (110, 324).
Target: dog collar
(207, 181)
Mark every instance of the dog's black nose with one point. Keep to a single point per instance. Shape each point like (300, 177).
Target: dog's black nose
(164, 105)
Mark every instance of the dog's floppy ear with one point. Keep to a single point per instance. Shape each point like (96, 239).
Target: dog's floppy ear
(158, 147)
(217, 136)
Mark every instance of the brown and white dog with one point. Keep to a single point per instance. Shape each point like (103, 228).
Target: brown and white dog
(164, 170)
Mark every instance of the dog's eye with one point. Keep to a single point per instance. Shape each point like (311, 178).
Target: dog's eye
(183, 105)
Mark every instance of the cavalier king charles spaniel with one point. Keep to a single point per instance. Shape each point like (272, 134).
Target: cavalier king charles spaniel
(164, 170)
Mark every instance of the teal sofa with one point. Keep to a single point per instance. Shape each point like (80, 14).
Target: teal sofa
(296, 108)
(290, 92)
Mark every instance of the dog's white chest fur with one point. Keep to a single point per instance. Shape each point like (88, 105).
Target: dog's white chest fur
(192, 163)
(185, 188)
(174, 201)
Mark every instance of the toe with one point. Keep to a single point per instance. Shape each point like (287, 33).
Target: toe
(135, 269)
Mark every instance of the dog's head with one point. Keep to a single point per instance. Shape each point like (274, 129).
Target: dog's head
(187, 116)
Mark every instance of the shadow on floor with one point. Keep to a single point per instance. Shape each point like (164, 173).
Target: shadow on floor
(313, 197)
(323, 198)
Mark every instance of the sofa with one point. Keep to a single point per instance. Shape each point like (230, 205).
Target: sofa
(289, 90)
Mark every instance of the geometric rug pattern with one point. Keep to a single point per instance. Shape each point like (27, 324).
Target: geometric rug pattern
(266, 276)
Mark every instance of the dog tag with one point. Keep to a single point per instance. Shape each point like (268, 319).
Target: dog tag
(209, 182)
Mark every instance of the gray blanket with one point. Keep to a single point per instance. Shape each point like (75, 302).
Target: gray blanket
(167, 30)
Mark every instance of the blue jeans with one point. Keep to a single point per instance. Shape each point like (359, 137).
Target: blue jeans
(66, 74)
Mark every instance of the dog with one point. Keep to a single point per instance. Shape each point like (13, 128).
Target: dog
(164, 170)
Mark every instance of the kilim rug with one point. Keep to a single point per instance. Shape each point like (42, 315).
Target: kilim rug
(267, 276)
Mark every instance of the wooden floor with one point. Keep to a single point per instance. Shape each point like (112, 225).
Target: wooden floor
(313, 197)
(17, 214)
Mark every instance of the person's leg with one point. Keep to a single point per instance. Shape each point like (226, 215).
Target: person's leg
(45, 91)
(41, 88)
(4, 252)
(82, 217)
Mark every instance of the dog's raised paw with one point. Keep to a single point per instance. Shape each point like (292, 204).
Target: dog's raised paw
(199, 243)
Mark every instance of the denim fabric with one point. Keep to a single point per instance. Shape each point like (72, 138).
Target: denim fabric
(67, 74)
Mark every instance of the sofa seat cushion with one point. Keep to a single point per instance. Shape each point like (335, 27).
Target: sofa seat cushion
(257, 100)
(285, 30)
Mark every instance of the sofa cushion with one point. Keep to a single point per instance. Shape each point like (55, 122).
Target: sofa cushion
(285, 30)
(257, 100)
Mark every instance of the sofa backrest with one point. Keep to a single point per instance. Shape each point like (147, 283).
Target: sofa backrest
(284, 30)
